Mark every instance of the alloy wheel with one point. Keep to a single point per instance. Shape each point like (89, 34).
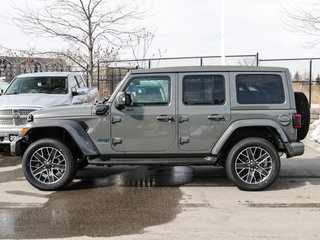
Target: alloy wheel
(47, 165)
(253, 165)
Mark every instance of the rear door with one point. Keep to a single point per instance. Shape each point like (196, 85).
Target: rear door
(204, 109)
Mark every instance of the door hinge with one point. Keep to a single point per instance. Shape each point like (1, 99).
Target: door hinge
(183, 118)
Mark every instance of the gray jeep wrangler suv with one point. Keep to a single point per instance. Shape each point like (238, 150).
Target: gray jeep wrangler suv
(242, 118)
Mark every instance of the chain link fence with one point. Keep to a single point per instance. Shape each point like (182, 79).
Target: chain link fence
(305, 72)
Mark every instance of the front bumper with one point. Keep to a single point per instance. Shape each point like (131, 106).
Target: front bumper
(16, 147)
(7, 135)
(294, 149)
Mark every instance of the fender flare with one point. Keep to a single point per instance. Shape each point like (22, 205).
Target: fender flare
(75, 130)
(247, 123)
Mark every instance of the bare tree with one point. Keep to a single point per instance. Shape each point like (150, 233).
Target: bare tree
(140, 44)
(92, 28)
(304, 21)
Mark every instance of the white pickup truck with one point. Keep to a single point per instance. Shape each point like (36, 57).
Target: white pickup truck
(34, 91)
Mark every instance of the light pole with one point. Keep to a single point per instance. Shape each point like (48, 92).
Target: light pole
(223, 54)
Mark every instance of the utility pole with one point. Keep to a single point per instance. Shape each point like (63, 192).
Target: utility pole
(223, 54)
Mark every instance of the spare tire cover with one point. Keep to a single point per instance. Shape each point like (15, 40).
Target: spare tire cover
(302, 107)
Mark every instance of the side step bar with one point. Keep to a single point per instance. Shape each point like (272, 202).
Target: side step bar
(155, 161)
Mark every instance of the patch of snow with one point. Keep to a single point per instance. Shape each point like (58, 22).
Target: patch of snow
(315, 131)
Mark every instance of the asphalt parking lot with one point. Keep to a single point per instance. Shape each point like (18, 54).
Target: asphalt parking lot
(162, 203)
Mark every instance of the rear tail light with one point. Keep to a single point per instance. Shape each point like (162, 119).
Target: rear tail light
(296, 121)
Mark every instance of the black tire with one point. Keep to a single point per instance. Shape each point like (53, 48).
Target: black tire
(48, 164)
(302, 107)
(252, 164)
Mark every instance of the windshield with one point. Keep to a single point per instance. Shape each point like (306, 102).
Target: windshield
(48, 85)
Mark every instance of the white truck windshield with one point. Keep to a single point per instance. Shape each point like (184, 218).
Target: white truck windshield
(48, 85)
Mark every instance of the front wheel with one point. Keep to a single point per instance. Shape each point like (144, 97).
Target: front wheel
(253, 164)
(48, 164)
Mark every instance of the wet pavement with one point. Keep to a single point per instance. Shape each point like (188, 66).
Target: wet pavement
(156, 203)
(100, 202)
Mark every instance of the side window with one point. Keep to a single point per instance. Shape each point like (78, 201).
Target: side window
(149, 90)
(74, 84)
(259, 89)
(80, 81)
(203, 90)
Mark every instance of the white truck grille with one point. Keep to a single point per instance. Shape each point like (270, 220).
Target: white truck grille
(14, 117)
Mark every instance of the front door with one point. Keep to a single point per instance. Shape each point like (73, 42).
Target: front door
(148, 124)
(204, 110)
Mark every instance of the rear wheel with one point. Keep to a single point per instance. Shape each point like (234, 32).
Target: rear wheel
(48, 164)
(253, 164)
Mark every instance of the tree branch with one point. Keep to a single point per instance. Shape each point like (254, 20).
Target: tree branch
(84, 24)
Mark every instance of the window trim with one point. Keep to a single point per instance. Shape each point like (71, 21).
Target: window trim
(80, 81)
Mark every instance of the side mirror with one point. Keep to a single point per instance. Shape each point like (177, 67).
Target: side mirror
(122, 99)
(101, 109)
(82, 91)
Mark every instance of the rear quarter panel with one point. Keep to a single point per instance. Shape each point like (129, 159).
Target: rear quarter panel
(274, 112)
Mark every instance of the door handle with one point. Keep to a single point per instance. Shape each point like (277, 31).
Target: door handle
(184, 140)
(116, 141)
(216, 117)
(165, 118)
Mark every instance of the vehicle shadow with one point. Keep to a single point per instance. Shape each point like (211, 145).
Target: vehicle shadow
(97, 177)
(294, 173)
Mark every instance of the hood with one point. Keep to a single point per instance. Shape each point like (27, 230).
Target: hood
(35, 100)
(64, 112)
